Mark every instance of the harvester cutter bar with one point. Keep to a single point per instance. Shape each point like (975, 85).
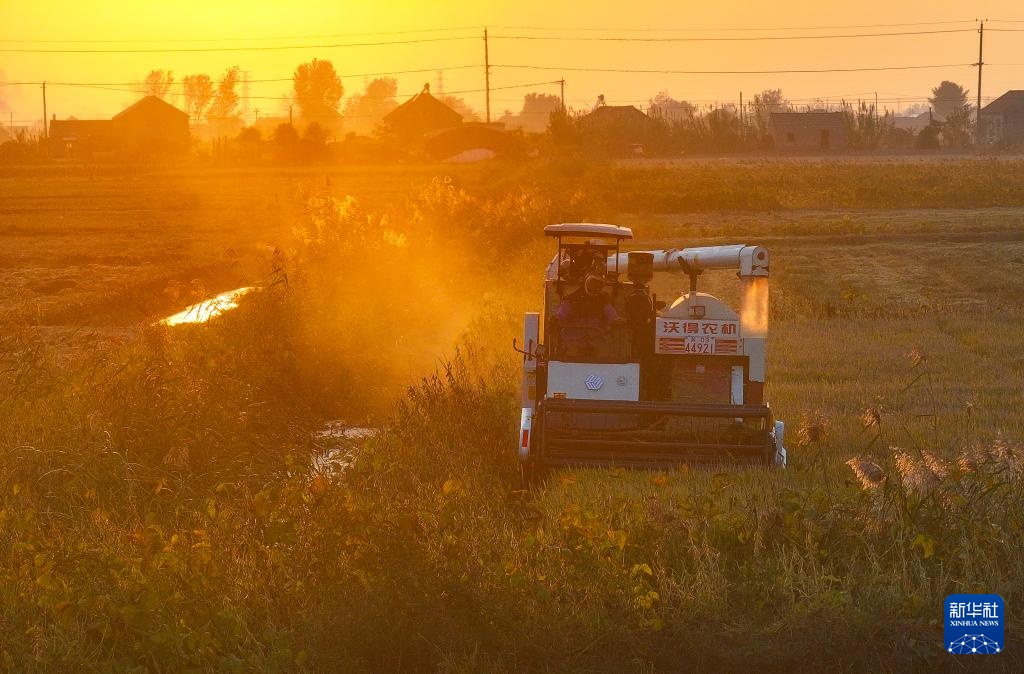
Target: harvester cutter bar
(614, 433)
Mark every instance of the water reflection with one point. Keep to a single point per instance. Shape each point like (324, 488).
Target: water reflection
(208, 308)
(340, 439)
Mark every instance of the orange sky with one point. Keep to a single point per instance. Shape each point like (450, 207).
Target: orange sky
(193, 23)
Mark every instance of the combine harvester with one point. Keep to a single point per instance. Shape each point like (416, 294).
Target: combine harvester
(611, 377)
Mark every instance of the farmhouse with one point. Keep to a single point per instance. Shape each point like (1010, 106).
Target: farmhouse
(82, 138)
(618, 129)
(816, 130)
(148, 127)
(913, 123)
(1002, 120)
(420, 114)
(152, 126)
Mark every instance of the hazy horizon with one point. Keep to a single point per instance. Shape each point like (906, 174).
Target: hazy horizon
(945, 34)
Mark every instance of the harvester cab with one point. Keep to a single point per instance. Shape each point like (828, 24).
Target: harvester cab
(613, 377)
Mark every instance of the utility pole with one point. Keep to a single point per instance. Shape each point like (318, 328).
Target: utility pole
(290, 116)
(981, 62)
(562, 84)
(742, 128)
(46, 131)
(487, 75)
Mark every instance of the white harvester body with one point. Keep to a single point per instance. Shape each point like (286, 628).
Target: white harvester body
(612, 376)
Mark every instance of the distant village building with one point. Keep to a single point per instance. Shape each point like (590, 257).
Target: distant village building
(419, 115)
(148, 127)
(618, 129)
(82, 138)
(152, 126)
(424, 126)
(913, 123)
(1002, 120)
(815, 130)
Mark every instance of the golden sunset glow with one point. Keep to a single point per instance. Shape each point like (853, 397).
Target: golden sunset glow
(437, 336)
(946, 36)
(202, 312)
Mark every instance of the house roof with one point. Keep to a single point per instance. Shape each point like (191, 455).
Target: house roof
(802, 121)
(1010, 101)
(913, 122)
(611, 114)
(422, 112)
(146, 104)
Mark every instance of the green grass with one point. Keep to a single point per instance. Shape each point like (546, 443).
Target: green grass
(158, 510)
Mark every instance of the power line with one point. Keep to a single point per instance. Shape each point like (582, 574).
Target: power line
(737, 28)
(274, 79)
(752, 38)
(467, 28)
(734, 72)
(285, 96)
(241, 39)
(23, 50)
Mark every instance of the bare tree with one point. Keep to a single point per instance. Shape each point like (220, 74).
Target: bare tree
(535, 114)
(158, 83)
(363, 112)
(460, 106)
(224, 108)
(318, 92)
(663, 106)
(198, 94)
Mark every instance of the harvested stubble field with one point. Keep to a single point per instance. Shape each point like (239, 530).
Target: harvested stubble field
(156, 507)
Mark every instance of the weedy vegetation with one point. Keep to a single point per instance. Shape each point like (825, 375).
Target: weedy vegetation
(161, 508)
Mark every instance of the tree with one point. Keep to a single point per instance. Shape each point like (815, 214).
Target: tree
(249, 141)
(722, 128)
(460, 106)
(198, 94)
(663, 106)
(959, 127)
(318, 92)
(864, 128)
(286, 141)
(363, 112)
(224, 109)
(535, 114)
(927, 138)
(313, 146)
(158, 83)
(947, 98)
(763, 105)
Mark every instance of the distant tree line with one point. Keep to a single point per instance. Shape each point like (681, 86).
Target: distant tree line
(317, 112)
